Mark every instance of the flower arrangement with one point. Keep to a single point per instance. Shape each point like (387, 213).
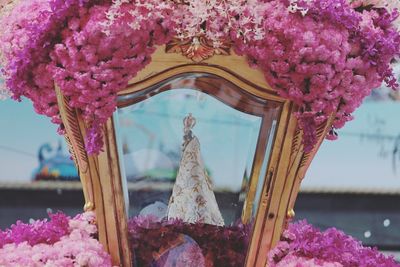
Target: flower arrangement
(196, 244)
(40, 231)
(303, 245)
(62, 241)
(325, 55)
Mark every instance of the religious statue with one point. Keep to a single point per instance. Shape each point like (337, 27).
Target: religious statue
(193, 199)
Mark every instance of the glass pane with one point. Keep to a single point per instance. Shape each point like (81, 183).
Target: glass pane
(188, 148)
(264, 166)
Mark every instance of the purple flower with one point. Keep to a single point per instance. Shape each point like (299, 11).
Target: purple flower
(220, 246)
(60, 242)
(329, 247)
(40, 231)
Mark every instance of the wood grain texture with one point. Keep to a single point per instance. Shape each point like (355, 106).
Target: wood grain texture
(75, 140)
(232, 64)
(110, 174)
(293, 164)
(267, 215)
(100, 190)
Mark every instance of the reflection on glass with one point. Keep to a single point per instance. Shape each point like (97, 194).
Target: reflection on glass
(263, 171)
(152, 140)
(188, 153)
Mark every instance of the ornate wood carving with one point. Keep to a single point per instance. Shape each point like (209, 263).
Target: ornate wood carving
(74, 136)
(296, 141)
(198, 48)
(321, 132)
(74, 129)
(296, 148)
(71, 150)
(303, 164)
(100, 177)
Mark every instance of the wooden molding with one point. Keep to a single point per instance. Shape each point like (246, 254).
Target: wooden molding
(74, 137)
(101, 189)
(233, 64)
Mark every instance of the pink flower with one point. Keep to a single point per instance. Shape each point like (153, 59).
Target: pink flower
(295, 261)
(308, 246)
(75, 248)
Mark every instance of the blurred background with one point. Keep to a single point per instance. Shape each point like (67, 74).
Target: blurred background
(353, 183)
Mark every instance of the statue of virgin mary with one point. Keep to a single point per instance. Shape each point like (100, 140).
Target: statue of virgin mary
(193, 199)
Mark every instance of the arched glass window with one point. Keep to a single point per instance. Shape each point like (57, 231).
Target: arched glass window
(194, 147)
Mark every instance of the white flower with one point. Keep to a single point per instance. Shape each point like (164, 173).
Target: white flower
(135, 25)
(293, 7)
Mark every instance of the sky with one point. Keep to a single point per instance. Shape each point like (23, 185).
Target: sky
(22, 132)
(357, 161)
(352, 161)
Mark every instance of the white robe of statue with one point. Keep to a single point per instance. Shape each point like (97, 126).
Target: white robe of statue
(193, 199)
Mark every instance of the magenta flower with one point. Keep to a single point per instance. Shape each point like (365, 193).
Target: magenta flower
(40, 231)
(60, 242)
(305, 245)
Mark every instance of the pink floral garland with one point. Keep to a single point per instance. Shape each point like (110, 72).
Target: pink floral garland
(303, 245)
(62, 241)
(324, 55)
(59, 242)
(40, 231)
(317, 60)
(91, 65)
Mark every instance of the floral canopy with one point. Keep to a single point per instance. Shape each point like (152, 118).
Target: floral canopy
(325, 55)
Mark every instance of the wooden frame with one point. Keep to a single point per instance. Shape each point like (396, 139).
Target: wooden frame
(101, 175)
